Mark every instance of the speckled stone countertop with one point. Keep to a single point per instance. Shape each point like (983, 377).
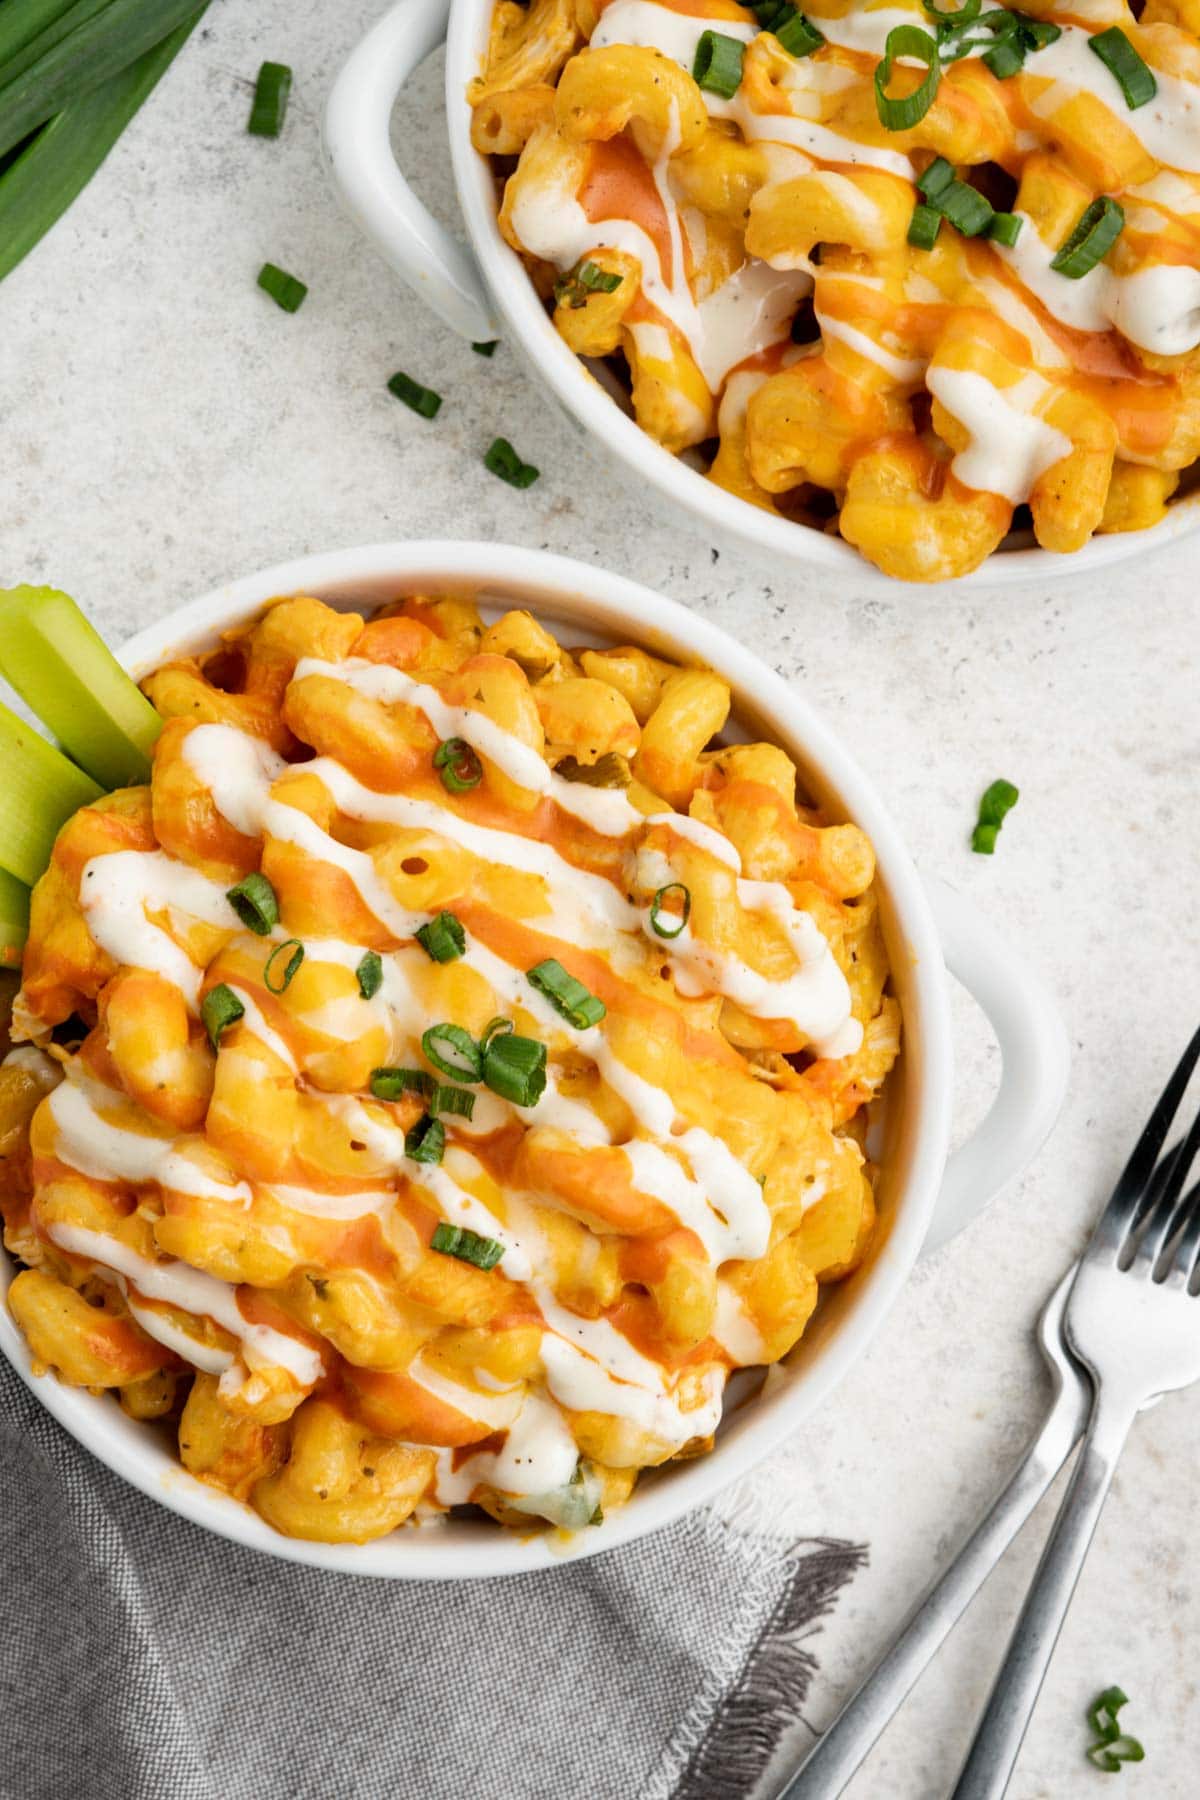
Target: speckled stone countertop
(165, 427)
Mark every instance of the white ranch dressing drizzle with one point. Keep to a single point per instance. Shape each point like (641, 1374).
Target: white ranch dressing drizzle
(901, 368)
(1167, 127)
(85, 1140)
(317, 1204)
(735, 1330)
(498, 1410)
(237, 770)
(1010, 448)
(119, 888)
(1156, 307)
(538, 1457)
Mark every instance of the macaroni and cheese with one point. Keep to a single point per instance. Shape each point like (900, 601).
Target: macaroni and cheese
(916, 274)
(443, 1074)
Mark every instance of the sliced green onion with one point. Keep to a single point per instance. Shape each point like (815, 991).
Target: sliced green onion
(494, 1028)
(219, 1009)
(1113, 1747)
(608, 771)
(996, 803)
(957, 15)
(937, 176)
(900, 113)
(468, 1246)
(798, 35)
(488, 349)
(575, 287)
(443, 939)
(285, 290)
(1099, 227)
(284, 979)
(369, 974)
(1006, 59)
(502, 460)
(391, 1083)
(458, 765)
(924, 226)
(453, 1051)
(678, 920)
(965, 207)
(422, 400)
(38, 794)
(515, 1068)
(255, 903)
(1132, 74)
(425, 1142)
(1005, 228)
(1037, 34)
(718, 64)
(271, 92)
(14, 919)
(577, 1005)
(458, 1100)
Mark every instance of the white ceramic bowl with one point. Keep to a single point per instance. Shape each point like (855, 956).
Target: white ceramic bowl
(484, 292)
(922, 1197)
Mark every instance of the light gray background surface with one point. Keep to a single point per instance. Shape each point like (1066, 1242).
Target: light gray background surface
(163, 427)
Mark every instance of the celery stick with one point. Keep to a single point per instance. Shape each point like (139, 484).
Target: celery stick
(39, 792)
(14, 919)
(67, 675)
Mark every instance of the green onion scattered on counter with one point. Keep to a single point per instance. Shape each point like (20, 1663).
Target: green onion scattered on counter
(271, 92)
(283, 978)
(458, 765)
(422, 400)
(901, 112)
(1113, 1746)
(1133, 76)
(67, 675)
(392, 1084)
(453, 1051)
(488, 349)
(502, 460)
(369, 974)
(515, 1068)
(1099, 227)
(468, 1246)
(39, 792)
(255, 903)
(458, 1100)
(996, 804)
(14, 919)
(718, 64)
(924, 226)
(285, 290)
(220, 1009)
(443, 939)
(569, 997)
(425, 1142)
(1005, 228)
(677, 919)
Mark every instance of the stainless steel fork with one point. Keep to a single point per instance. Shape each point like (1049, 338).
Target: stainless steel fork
(1133, 1319)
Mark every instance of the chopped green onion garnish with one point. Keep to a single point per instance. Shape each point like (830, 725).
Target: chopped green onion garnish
(1133, 76)
(586, 278)
(458, 765)
(494, 1028)
(674, 891)
(1005, 228)
(219, 1009)
(1113, 1747)
(502, 460)
(1038, 33)
(1006, 59)
(39, 792)
(284, 289)
(468, 1246)
(391, 1083)
(924, 226)
(965, 207)
(998, 801)
(453, 1051)
(254, 902)
(425, 1142)
(718, 64)
(488, 349)
(608, 771)
(1099, 227)
(270, 100)
(283, 976)
(937, 176)
(457, 1100)
(957, 15)
(14, 919)
(568, 996)
(67, 676)
(443, 938)
(369, 974)
(515, 1068)
(901, 112)
(798, 35)
(422, 400)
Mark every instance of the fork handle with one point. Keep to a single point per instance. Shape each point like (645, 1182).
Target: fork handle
(997, 1742)
(846, 1742)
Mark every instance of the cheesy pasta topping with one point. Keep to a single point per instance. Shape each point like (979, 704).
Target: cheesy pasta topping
(899, 271)
(443, 1074)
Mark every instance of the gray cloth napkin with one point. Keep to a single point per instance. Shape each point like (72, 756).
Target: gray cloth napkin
(144, 1659)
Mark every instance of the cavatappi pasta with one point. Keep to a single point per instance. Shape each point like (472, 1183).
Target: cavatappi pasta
(241, 1196)
(747, 255)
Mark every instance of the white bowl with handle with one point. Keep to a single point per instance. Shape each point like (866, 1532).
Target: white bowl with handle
(482, 290)
(924, 1194)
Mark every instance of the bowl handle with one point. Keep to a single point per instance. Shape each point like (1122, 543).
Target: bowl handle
(358, 156)
(1036, 1059)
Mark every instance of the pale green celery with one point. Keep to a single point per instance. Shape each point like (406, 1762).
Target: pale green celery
(14, 919)
(39, 790)
(67, 675)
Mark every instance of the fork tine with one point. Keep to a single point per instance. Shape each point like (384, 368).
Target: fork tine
(1187, 1251)
(1115, 1219)
(1167, 1181)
